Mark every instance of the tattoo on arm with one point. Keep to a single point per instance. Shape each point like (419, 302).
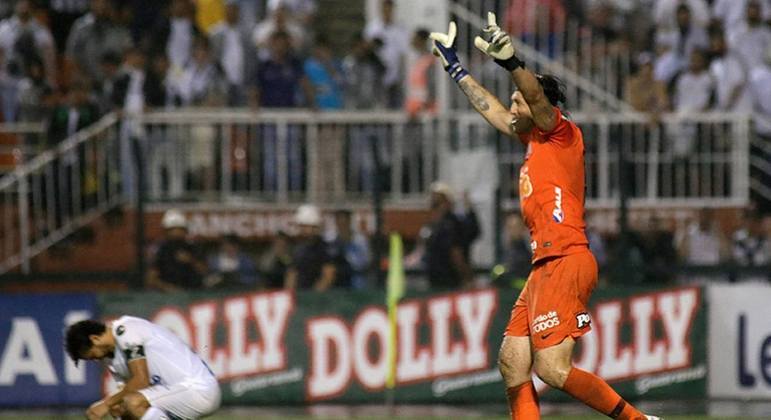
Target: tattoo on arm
(474, 95)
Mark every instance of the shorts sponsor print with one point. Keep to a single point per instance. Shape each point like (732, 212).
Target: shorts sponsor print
(553, 304)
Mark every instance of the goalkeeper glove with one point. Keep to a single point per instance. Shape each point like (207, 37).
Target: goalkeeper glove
(499, 47)
(444, 48)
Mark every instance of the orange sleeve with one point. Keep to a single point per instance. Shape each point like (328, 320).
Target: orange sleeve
(561, 133)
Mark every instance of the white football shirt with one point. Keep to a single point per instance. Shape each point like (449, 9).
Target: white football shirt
(169, 360)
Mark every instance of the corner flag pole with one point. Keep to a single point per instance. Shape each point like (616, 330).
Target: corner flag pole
(394, 292)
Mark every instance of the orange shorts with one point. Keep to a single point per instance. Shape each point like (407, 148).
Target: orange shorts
(552, 306)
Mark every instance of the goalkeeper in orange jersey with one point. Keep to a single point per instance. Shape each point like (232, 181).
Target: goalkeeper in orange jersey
(551, 311)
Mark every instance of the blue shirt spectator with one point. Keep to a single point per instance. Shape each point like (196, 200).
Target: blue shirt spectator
(325, 75)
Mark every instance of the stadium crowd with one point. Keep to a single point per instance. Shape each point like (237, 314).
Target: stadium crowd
(66, 62)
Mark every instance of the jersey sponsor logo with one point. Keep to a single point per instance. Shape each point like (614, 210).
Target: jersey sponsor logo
(135, 352)
(557, 214)
(545, 321)
(583, 320)
(525, 186)
(120, 330)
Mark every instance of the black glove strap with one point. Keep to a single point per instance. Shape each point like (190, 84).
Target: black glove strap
(512, 63)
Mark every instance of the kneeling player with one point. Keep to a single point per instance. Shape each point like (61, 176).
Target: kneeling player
(162, 378)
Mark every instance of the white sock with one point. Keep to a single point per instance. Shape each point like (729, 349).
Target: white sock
(153, 413)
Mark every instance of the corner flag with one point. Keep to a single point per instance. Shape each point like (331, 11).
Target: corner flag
(394, 292)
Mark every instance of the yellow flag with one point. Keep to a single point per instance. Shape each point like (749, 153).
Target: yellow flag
(394, 292)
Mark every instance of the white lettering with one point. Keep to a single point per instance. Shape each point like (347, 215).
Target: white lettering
(412, 364)
(646, 359)
(371, 374)
(25, 354)
(475, 312)
(615, 363)
(272, 313)
(329, 336)
(203, 319)
(448, 356)
(677, 310)
(244, 356)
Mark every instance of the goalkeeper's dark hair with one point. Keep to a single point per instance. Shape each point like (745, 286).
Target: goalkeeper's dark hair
(553, 88)
(78, 337)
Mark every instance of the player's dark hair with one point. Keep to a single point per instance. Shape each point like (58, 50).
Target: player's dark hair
(553, 88)
(78, 338)
(422, 34)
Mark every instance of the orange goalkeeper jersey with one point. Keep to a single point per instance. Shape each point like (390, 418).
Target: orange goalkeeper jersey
(551, 189)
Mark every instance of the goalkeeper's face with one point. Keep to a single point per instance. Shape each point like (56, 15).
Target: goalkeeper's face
(521, 116)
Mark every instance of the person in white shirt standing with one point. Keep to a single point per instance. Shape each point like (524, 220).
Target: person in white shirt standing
(162, 377)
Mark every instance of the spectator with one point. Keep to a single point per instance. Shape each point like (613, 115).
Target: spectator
(665, 11)
(304, 11)
(201, 82)
(392, 41)
(350, 251)
(35, 93)
(93, 35)
(676, 45)
(312, 266)
(596, 242)
(10, 86)
(279, 82)
(280, 19)
(530, 20)
(732, 14)
(23, 39)
(133, 86)
(731, 87)
(751, 246)
(325, 75)
(76, 112)
(516, 247)
(643, 91)
(468, 224)
(208, 14)
(233, 50)
(363, 78)
(177, 265)
(701, 243)
(420, 82)
(62, 14)
(445, 262)
(275, 263)
(105, 91)
(231, 266)
(174, 35)
(694, 92)
(694, 89)
(751, 38)
(280, 77)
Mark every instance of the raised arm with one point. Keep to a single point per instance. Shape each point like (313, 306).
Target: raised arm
(501, 49)
(480, 98)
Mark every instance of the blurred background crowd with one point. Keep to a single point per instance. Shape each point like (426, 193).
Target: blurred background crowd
(67, 62)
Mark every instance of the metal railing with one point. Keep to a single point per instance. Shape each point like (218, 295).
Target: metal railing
(238, 156)
(679, 160)
(592, 67)
(59, 191)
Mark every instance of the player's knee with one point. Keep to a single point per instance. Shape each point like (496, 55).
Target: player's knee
(136, 404)
(514, 371)
(553, 372)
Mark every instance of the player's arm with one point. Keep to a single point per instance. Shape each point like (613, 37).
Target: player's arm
(501, 49)
(140, 379)
(480, 98)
